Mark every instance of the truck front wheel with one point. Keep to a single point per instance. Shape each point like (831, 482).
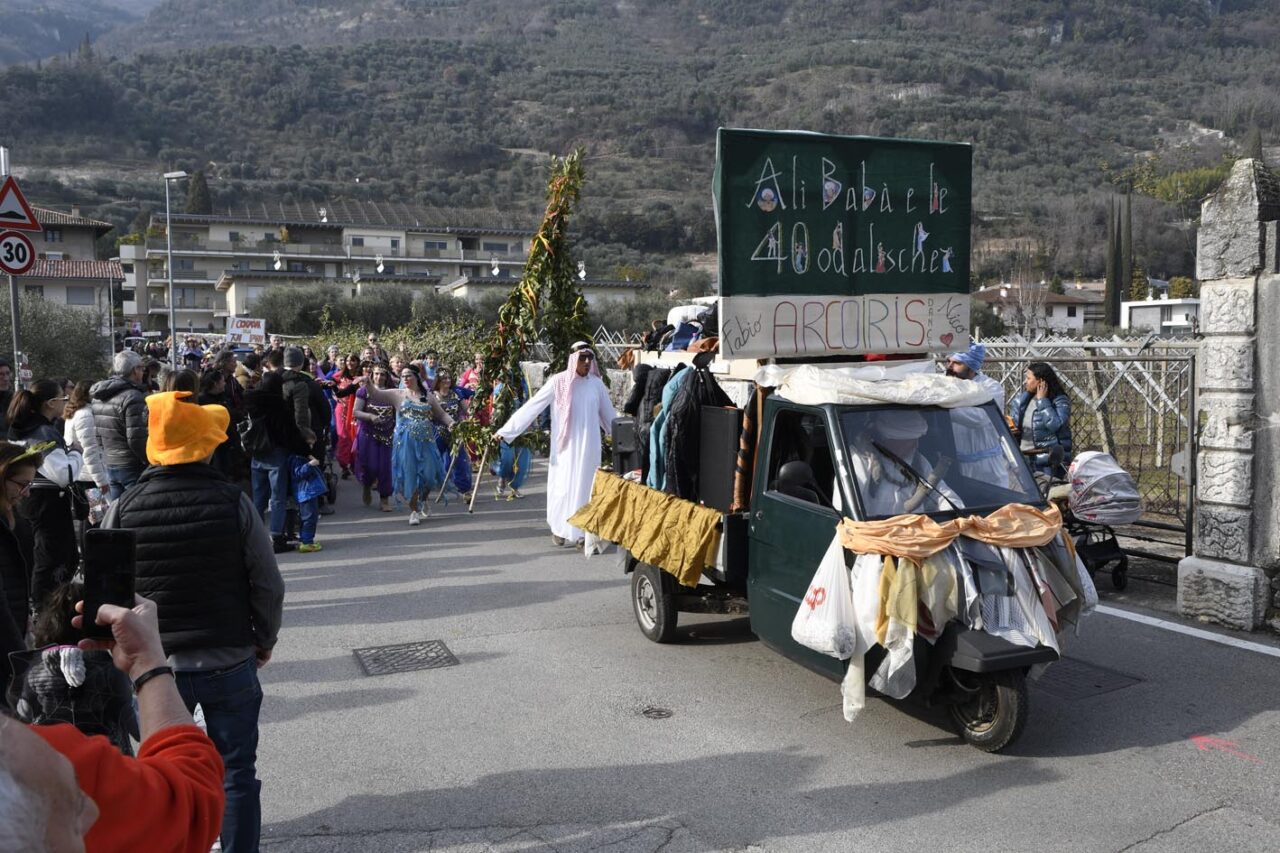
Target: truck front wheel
(653, 603)
(994, 714)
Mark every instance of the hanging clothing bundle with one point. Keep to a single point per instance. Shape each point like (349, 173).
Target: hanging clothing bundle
(684, 427)
(1012, 574)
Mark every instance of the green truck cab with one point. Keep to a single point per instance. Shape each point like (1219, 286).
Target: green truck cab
(808, 474)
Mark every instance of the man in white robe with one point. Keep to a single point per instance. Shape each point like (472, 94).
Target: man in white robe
(581, 410)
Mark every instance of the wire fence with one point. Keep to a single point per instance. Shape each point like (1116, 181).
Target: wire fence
(1131, 398)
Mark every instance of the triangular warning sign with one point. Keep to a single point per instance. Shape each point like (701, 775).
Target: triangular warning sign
(15, 213)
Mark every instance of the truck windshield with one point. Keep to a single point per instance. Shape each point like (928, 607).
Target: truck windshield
(931, 460)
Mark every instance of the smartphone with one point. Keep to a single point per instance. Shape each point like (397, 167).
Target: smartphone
(109, 561)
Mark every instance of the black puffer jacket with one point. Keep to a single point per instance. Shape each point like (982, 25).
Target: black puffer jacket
(190, 555)
(684, 427)
(120, 417)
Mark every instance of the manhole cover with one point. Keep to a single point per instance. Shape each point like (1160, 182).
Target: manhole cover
(655, 713)
(405, 657)
(1073, 679)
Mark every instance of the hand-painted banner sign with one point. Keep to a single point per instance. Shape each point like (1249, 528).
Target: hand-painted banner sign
(841, 244)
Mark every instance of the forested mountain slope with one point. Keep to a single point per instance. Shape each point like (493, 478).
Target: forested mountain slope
(455, 102)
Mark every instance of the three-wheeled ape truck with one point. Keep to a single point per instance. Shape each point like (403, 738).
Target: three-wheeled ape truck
(822, 454)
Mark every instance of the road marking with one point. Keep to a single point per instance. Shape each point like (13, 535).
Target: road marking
(1190, 632)
(1204, 743)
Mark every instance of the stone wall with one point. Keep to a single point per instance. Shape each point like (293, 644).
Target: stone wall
(1237, 525)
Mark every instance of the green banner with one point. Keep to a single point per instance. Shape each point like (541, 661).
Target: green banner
(882, 223)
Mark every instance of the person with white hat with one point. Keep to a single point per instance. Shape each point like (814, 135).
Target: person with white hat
(581, 411)
(890, 442)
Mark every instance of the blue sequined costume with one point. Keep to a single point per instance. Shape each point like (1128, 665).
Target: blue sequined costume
(416, 465)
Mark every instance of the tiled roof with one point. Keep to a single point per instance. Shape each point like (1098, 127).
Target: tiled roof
(340, 213)
(47, 217)
(1079, 297)
(97, 270)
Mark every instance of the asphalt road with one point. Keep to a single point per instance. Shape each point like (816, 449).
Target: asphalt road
(537, 739)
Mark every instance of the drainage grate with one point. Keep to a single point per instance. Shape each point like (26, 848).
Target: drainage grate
(1073, 679)
(405, 657)
(655, 713)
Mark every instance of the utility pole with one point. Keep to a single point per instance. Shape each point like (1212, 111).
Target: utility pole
(168, 237)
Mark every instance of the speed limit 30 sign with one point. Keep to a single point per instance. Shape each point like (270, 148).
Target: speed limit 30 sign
(16, 253)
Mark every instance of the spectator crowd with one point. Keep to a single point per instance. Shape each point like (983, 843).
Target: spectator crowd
(217, 464)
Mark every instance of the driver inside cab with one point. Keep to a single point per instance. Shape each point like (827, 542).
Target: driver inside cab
(893, 476)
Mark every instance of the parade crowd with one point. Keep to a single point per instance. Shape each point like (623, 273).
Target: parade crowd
(217, 464)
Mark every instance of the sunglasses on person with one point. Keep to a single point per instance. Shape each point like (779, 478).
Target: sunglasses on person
(586, 356)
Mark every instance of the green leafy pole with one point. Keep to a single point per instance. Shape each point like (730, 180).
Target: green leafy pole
(547, 297)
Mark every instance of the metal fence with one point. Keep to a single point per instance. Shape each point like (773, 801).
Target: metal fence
(609, 347)
(1133, 399)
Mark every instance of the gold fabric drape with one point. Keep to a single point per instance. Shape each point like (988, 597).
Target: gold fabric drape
(675, 535)
(917, 537)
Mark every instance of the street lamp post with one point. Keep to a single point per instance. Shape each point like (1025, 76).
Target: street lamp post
(111, 315)
(168, 238)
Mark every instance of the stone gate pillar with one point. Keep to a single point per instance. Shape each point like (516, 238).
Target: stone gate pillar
(1237, 509)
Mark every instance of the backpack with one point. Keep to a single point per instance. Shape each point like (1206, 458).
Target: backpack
(254, 436)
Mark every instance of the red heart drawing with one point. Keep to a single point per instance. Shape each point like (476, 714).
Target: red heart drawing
(947, 339)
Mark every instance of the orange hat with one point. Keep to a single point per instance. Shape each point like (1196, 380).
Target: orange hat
(179, 432)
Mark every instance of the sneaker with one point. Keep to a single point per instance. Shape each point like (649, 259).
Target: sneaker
(367, 496)
(414, 519)
(309, 547)
(280, 545)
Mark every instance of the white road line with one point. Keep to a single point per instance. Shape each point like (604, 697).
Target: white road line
(1260, 648)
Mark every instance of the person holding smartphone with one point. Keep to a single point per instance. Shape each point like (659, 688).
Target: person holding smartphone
(61, 789)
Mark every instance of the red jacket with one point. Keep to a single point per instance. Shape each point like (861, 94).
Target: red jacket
(169, 798)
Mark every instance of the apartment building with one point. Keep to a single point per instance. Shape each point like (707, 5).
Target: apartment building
(67, 270)
(223, 262)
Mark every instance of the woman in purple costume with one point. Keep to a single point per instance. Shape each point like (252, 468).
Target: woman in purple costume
(376, 426)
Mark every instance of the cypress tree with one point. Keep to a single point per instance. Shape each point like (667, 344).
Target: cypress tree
(198, 198)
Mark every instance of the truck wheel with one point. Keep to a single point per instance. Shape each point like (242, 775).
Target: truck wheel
(652, 601)
(993, 717)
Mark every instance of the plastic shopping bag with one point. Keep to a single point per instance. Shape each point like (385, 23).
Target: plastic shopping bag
(826, 621)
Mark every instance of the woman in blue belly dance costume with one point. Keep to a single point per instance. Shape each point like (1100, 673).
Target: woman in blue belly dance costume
(454, 400)
(416, 464)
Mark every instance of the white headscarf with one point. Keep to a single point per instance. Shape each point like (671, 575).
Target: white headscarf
(564, 384)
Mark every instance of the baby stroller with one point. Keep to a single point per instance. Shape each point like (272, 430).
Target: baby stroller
(1097, 496)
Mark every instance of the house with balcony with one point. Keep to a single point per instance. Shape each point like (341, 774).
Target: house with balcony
(67, 269)
(1036, 308)
(223, 262)
(1160, 314)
